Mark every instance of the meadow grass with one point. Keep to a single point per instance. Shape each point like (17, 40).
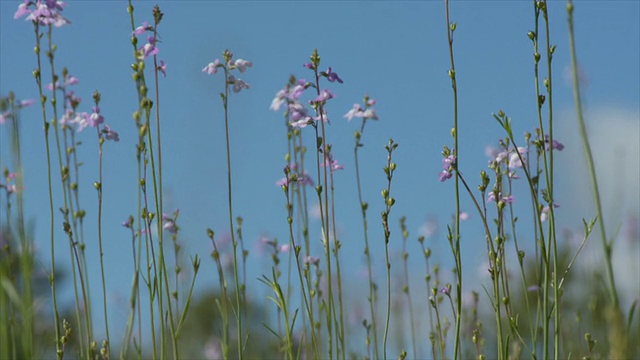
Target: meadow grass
(523, 312)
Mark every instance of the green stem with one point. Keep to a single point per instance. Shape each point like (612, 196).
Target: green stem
(457, 256)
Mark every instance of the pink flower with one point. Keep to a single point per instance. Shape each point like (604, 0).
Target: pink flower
(212, 67)
(242, 65)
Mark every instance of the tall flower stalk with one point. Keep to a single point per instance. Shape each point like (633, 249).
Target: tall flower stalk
(237, 86)
(451, 27)
(365, 113)
(389, 201)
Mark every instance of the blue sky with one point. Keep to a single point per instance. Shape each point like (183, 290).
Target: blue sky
(395, 51)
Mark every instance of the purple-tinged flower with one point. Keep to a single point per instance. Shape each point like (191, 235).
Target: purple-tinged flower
(212, 67)
(366, 113)
(284, 248)
(128, 223)
(142, 28)
(4, 116)
(23, 9)
(333, 164)
(446, 290)
(163, 68)
(242, 65)
(69, 80)
(444, 175)
(325, 95)
(448, 164)
(514, 159)
(149, 48)
(554, 145)
(95, 118)
(332, 77)
(464, 216)
(308, 65)
(280, 98)
(298, 112)
(81, 120)
(238, 84)
(45, 13)
(110, 134)
(505, 199)
(354, 112)
(296, 92)
(370, 114)
(169, 224)
(301, 124)
(544, 215)
(312, 260)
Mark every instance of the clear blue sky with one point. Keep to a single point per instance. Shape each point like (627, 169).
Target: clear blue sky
(395, 51)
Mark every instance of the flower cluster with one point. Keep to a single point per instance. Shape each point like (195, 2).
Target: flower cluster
(364, 113)
(45, 12)
(228, 65)
(297, 113)
(448, 164)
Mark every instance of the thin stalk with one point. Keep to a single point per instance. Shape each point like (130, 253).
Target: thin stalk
(38, 77)
(457, 256)
(389, 201)
(99, 188)
(367, 252)
(607, 246)
(225, 103)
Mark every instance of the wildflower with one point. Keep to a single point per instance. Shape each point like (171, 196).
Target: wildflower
(242, 65)
(312, 260)
(555, 144)
(297, 90)
(325, 95)
(332, 77)
(163, 68)
(366, 113)
(45, 13)
(544, 215)
(142, 28)
(354, 112)
(280, 98)
(110, 134)
(448, 164)
(514, 158)
(212, 67)
(504, 199)
(169, 224)
(284, 248)
(238, 84)
(95, 118)
(150, 47)
(128, 223)
(25, 103)
(23, 9)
